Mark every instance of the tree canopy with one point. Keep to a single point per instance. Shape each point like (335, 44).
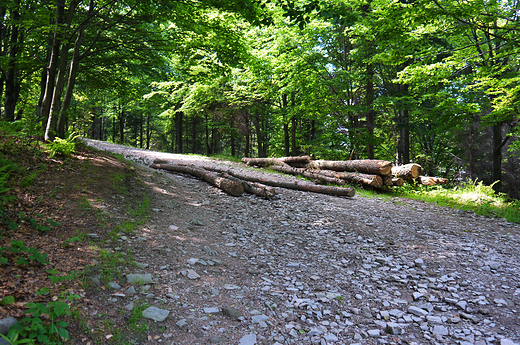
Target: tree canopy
(436, 83)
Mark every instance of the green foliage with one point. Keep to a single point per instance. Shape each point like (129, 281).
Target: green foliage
(472, 196)
(49, 223)
(24, 255)
(64, 147)
(7, 300)
(135, 320)
(35, 329)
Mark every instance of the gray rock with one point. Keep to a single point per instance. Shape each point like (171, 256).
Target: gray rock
(114, 286)
(130, 290)
(182, 323)
(417, 311)
(393, 328)
(440, 330)
(95, 281)
(192, 275)
(156, 314)
(259, 318)
(232, 313)
(5, 324)
(212, 310)
(249, 339)
(507, 342)
(139, 278)
(374, 333)
(217, 340)
(329, 337)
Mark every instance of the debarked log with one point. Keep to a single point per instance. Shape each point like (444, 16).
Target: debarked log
(232, 187)
(366, 166)
(430, 180)
(407, 171)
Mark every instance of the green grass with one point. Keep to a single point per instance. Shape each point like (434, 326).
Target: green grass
(471, 196)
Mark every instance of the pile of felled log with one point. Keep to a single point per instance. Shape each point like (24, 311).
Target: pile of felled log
(373, 173)
(329, 176)
(235, 182)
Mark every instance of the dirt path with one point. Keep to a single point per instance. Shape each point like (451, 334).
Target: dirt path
(315, 269)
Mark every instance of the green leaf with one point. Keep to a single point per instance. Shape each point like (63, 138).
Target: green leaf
(7, 300)
(62, 332)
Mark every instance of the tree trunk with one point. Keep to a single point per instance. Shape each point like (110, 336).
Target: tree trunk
(179, 118)
(148, 131)
(10, 76)
(313, 175)
(52, 123)
(121, 124)
(497, 157)
(73, 72)
(408, 171)
(232, 187)
(430, 181)
(52, 67)
(365, 179)
(369, 102)
(368, 166)
(275, 161)
(290, 184)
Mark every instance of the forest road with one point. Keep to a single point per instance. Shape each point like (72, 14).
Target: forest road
(310, 268)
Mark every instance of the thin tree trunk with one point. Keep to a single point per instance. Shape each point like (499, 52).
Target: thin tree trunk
(370, 110)
(10, 76)
(178, 131)
(121, 124)
(148, 131)
(52, 67)
(285, 126)
(141, 131)
(73, 72)
(52, 123)
(497, 157)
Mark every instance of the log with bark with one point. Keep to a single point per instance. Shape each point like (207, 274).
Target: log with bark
(393, 181)
(430, 180)
(365, 179)
(407, 171)
(367, 166)
(232, 187)
(264, 162)
(261, 190)
(296, 184)
(313, 175)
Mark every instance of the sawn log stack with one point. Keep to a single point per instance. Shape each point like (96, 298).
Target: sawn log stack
(373, 173)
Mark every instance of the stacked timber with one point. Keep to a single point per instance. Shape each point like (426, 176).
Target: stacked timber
(368, 172)
(329, 177)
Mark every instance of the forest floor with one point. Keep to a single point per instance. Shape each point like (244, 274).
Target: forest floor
(302, 268)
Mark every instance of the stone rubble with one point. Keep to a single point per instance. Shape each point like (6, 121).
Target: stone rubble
(316, 269)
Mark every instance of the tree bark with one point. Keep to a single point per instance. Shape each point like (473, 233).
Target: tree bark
(497, 157)
(314, 175)
(296, 184)
(365, 179)
(368, 166)
(11, 96)
(393, 181)
(232, 187)
(408, 171)
(276, 161)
